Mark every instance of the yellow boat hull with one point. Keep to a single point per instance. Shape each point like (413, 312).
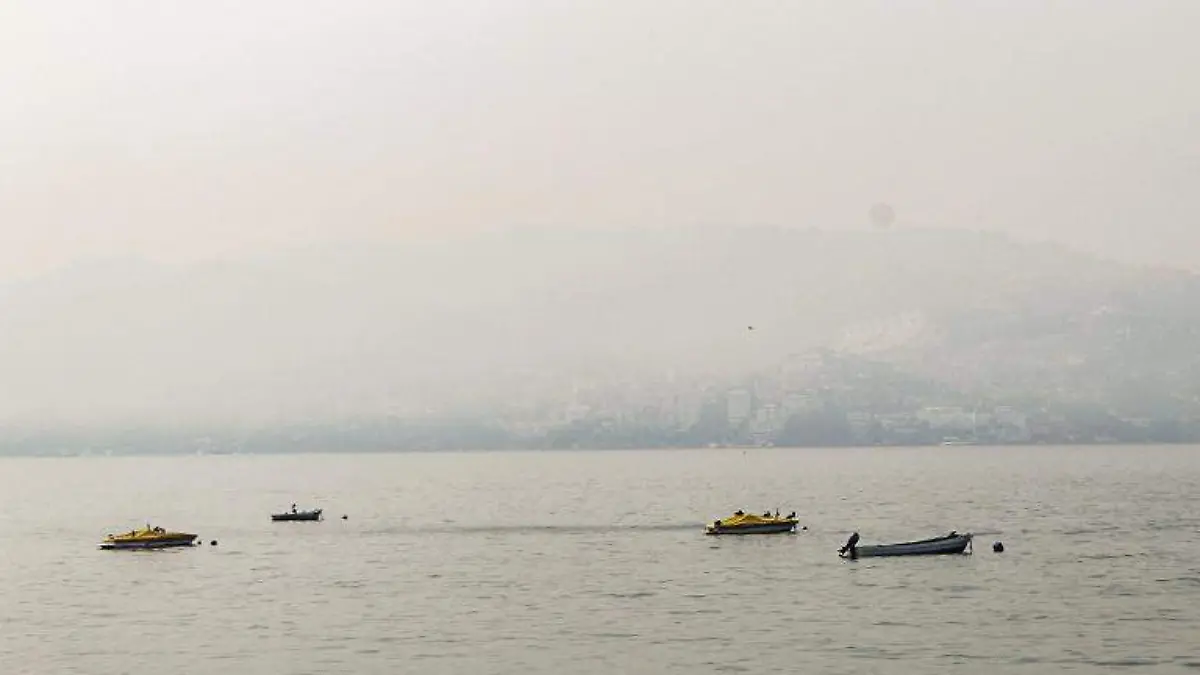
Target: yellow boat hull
(147, 538)
(752, 524)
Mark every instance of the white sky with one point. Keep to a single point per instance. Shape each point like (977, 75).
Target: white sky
(188, 130)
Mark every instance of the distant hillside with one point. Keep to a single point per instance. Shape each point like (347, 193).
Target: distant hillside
(1131, 344)
(311, 333)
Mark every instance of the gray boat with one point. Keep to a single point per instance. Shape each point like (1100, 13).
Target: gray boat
(295, 515)
(950, 544)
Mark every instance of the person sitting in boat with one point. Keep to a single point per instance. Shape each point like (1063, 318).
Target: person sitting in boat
(739, 512)
(293, 508)
(767, 513)
(792, 515)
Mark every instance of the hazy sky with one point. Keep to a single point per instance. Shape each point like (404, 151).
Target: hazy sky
(188, 130)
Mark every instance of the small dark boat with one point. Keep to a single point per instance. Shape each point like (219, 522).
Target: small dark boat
(953, 543)
(297, 515)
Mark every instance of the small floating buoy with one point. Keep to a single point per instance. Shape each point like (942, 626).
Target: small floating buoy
(345, 517)
(213, 542)
(998, 547)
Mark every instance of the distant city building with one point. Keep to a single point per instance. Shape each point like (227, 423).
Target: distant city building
(1011, 425)
(946, 418)
(576, 413)
(686, 408)
(862, 425)
(796, 403)
(740, 404)
(767, 421)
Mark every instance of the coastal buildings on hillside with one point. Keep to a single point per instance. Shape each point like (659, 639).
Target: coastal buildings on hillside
(823, 399)
(810, 400)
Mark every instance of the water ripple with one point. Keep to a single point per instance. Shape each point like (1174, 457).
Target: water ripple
(596, 563)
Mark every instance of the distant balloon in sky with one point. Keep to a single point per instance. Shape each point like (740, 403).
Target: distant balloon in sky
(882, 215)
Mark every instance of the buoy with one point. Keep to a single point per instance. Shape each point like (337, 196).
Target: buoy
(345, 517)
(213, 542)
(998, 547)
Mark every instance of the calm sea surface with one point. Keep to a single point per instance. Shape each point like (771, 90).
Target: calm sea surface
(595, 562)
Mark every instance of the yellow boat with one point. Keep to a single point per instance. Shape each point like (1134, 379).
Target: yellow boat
(147, 537)
(748, 523)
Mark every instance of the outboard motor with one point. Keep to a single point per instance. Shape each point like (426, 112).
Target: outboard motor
(851, 547)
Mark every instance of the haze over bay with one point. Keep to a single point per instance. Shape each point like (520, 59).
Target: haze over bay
(467, 225)
(605, 339)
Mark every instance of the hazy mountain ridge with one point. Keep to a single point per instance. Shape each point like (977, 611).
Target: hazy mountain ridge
(318, 333)
(1129, 344)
